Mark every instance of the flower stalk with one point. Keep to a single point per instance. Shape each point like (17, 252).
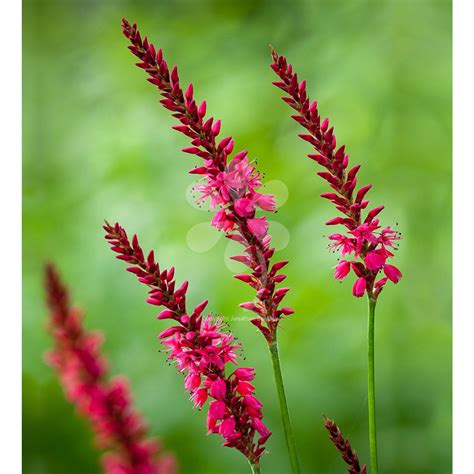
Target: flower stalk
(285, 415)
(255, 468)
(371, 385)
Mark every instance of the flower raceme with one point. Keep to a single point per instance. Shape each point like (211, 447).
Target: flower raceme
(230, 181)
(202, 350)
(369, 243)
(105, 402)
(349, 456)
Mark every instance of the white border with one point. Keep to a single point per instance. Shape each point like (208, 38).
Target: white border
(463, 218)
(10, 244)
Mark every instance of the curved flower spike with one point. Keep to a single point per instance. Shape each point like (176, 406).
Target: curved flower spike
(105, 402)
(349, 455)
(364, 238)
(202, 350)
(230, 182)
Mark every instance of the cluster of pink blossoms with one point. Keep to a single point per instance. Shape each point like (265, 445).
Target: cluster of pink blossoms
(119, 428)
(230, 182)
(201, 350)
(365, 240)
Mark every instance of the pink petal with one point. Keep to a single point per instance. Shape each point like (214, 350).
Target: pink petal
(258, 226)
(342, 269)
(359, 287)
(392, 272)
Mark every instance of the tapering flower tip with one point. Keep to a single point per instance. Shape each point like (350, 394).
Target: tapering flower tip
(349, 455)
(200, 307)
(189, 92)
(359, 287)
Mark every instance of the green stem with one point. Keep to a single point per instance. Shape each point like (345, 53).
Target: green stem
(371, 387)
(255, 468)
(290, 440)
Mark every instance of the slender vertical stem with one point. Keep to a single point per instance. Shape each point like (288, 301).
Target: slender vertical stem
(255, 468)
(371, 387)
(290, 440)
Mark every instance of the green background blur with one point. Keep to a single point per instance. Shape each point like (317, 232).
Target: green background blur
(97, 144)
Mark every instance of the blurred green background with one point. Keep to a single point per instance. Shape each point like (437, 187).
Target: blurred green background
(97, 145)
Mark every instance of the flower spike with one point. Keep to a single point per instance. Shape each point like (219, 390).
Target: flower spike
(202, 350)
(364, 238)
(349, 455)
(229, 180)
(105, 402)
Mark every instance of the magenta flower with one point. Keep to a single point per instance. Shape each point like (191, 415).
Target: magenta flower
(364, 239)
(105, 402)
(202, 350)
(230, 181)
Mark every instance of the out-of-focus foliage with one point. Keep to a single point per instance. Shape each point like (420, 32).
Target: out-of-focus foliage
(98, 145)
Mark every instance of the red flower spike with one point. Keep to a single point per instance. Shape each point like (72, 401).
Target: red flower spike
(365, 243)
(202, 350)
(230, 183)
(105, 402)
(349, 455)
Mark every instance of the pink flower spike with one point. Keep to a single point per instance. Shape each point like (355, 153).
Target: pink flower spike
(392, 273)
(365, 241)
(342, 269)
(104, 401)
(201, 350)
(231, 183)
(359, 287)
